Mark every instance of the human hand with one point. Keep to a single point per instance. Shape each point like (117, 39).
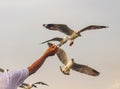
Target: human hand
(51, 50)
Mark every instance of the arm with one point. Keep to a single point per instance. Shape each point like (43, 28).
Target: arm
(38, 63)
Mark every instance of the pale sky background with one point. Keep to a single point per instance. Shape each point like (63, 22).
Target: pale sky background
(21, 32)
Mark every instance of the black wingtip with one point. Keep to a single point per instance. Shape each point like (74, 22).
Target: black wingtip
(42, 42)
(105, 27)
(96, 73)
(50, 44)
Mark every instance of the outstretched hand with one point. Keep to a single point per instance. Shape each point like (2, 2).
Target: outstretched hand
(51, 50)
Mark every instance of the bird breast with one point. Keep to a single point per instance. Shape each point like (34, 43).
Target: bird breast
(68, 65)
(64, 40)
(73, 36)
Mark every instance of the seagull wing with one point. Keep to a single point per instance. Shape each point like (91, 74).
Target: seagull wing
(1, 70)
(91, 27)
(33, 85)
(22, 86)
(85, 69)
(41, 83)
(61, 54)
(53, 39)
(25, 84)
(60, 27)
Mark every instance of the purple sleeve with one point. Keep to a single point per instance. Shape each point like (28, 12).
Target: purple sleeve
(16, 77)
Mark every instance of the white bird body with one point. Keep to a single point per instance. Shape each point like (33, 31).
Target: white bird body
(66, 68)
(63, 41)
(73, 36)
(27, 85)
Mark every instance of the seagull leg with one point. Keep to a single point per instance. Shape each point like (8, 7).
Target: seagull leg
(71, 43)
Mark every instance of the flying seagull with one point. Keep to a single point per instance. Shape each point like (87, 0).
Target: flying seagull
(4, 70)
(72, 34)
(31, 85)
(70, 64)
(60, 40)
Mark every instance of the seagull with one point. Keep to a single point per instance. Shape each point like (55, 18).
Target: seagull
(70, 64)
(72, 34)
(31, 85)
(61, 40)
(4, 70)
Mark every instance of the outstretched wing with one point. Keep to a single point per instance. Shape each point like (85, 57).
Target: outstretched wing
(85, 69)
(53, 39)
(33, 85)
(41, 83)
(61, 54)
(22, 86)
(60, 27)
(92, 27)
(25, 84)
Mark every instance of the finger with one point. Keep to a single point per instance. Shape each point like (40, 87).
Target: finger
(53, 46)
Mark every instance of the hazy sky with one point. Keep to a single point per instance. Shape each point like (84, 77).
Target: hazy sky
(21, 32)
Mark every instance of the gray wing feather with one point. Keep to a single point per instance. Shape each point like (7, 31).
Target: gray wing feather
(85, 69)
(53, 39)
(34, 85)
(65, 29)
(25, 84)
(22, 86)
(61, 55)
(92, 27)
(60, 27)
(41, 83)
